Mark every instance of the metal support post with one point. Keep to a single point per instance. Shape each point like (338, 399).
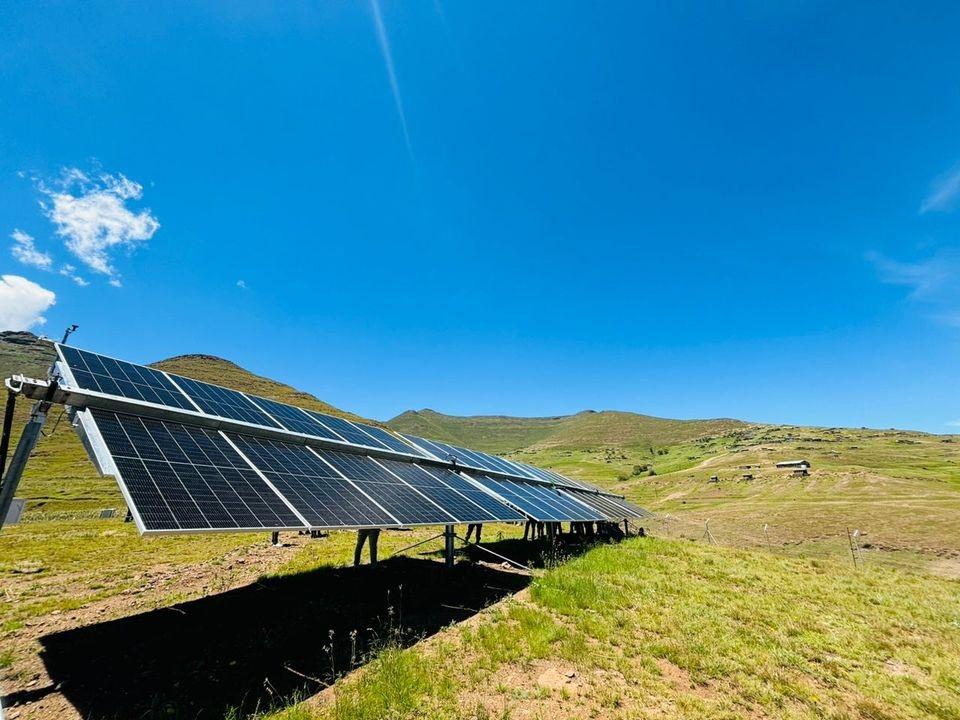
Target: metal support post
(7, 429)
(448, 536)
(28, 441)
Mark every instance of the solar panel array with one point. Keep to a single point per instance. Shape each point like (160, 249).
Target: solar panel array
(180, 477)
(311, 470)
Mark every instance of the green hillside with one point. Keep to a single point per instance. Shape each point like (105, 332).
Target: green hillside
(588, 429)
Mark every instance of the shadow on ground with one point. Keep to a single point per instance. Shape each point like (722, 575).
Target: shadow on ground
(255, 646)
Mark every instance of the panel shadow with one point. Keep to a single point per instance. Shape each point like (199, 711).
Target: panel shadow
(255, 646)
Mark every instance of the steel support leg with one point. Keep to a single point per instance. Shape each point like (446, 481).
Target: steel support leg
(7, 429)
(28, 441)
(448, 536)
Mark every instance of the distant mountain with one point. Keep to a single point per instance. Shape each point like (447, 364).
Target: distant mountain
(588, 429)
(212, 369)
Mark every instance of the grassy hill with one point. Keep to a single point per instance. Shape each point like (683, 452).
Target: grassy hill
(899, 489)
(502, 434)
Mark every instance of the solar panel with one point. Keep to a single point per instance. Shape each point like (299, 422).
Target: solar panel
(216, 400)
(545, 475)
(328, 488)
(180, 477)
(390, 440)
(448, 452)
(630, 509)
(347, 430)
(320, 494)
(116, 377)
(454, 502)
(568, 508)
(600, 504)
(539, 502)
(397, 497)
(475, 495)
(294, 419)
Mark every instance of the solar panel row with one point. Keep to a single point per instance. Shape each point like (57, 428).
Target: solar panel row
(100, 373)
(180, 477)
(541, 503)
(611, 508)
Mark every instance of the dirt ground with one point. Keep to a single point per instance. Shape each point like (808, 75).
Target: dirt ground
(246, 646)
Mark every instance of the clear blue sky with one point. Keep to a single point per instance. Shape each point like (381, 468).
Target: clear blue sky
(688, 211)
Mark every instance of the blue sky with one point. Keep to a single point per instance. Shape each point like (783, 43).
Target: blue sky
(518, 208)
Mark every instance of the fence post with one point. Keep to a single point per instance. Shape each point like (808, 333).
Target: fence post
(853, 554)
(707, 534)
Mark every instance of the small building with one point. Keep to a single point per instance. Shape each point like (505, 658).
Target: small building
(793, 465)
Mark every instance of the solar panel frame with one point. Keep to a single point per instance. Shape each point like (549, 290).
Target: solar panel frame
(634, 510)
(476, 495)
(347, 430)
(445, 451)
(533, 508)
(461, 506)
(293, 418)
(119, 378)
(529, 498)
(554, 497)
(212, 488)
(403, 501)
(325, 498)
(224, 402)
(390, 440)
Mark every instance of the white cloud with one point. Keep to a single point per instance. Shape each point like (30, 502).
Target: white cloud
(22, 303)
(26, 252)
(93, 218)
(953, 423)
(71, 272)
(242, 284)
(944, 193)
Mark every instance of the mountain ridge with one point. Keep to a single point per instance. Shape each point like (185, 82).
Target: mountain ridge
(585, 429)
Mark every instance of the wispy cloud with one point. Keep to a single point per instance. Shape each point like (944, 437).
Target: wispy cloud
(953, 423)
(925, 277)
(22, 303)
(26, 251)
(92, 217)
(933, 282)
(944, 193)
(71, 272)
(387, 53)
(242, 284)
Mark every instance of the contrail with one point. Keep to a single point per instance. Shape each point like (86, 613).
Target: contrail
(388, 61)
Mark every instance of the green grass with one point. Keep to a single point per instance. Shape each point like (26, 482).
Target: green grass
(674, 629)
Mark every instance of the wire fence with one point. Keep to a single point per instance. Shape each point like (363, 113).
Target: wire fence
(847, 544)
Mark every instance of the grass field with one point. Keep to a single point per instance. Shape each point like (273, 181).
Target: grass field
(670, 629)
